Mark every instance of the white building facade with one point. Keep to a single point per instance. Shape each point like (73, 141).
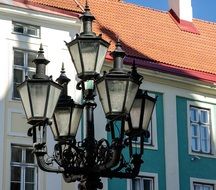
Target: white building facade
(23, 29)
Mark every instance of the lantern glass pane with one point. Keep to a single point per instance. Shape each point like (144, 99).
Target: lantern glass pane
(117, 90)
(89, 49)
(103, 95)
(135, 113)
(38, 95)
(75, 55)
(126, 126)
(76, 116)
(54, 94)
(23, 91)
(148, 110)
(54, 129)
(101, 56)
(62, 116)
(132, 90)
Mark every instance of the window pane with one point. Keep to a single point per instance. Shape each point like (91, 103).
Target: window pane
(18, 75)
(29, 175)
(15, 186)
(18, 58)
(15, 173)
(136, 184)
(16, 154)
(204, 116)
(32, 31)
(205, 133)
(194, 114)
(205, 139)
(147, 184)
(207, 187)
(29, 186)
(195, 130)
(29, 156)
(203, 187)
(31, 57)
(197, 187)
(18, 28)
(195, 144)
(15, 91)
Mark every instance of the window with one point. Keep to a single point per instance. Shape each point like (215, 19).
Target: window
(142, 183)
(200, 127)
(202, 186)
(26, 29)
(23, 169)
(23, 66)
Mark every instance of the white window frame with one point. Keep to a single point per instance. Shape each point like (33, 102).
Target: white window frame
(145, 175)
(153, 144)
(202, 182)
(25, 29)
(209, 107)
(24, 68)
(24, 165)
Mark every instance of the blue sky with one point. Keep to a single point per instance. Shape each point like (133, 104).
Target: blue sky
(202, 9)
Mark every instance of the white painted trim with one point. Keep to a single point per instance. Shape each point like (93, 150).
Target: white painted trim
(213, 130)
(33, 14)
(145, 174)
(171, 141)
(2, 138)
(200, 180)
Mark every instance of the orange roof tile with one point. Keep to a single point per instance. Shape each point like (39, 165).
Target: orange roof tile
(150, 34)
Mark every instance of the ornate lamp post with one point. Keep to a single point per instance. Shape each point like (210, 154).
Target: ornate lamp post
(47, 103)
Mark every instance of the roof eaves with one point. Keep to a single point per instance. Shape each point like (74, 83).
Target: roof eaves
(173, 70)
(44, 8)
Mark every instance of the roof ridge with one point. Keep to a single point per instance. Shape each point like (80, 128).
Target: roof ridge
(144, 7)
(79, 5)
(205, 21)
(162, 11)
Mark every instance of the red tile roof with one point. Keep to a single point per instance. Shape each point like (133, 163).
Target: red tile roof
(149, 34)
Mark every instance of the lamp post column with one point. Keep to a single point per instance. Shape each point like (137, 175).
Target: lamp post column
(90, 181)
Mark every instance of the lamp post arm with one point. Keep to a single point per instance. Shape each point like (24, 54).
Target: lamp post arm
(129, 173)
(116, 149)
(46, 167)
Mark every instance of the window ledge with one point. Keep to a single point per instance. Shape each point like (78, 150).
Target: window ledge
(201, 155)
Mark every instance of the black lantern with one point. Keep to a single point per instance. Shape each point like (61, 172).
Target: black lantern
(67, 114)
(39, 95)
(117, 89)
(87, 50)
(140, 114)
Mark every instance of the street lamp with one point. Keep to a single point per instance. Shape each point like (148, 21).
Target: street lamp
(89, 159)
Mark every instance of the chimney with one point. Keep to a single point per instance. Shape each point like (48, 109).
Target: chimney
(182, 14)
(182, 9)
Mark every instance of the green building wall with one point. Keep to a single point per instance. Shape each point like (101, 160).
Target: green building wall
(203, 168)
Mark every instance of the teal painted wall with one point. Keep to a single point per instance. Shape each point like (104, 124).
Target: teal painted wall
(204, 168)
(154, 160)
